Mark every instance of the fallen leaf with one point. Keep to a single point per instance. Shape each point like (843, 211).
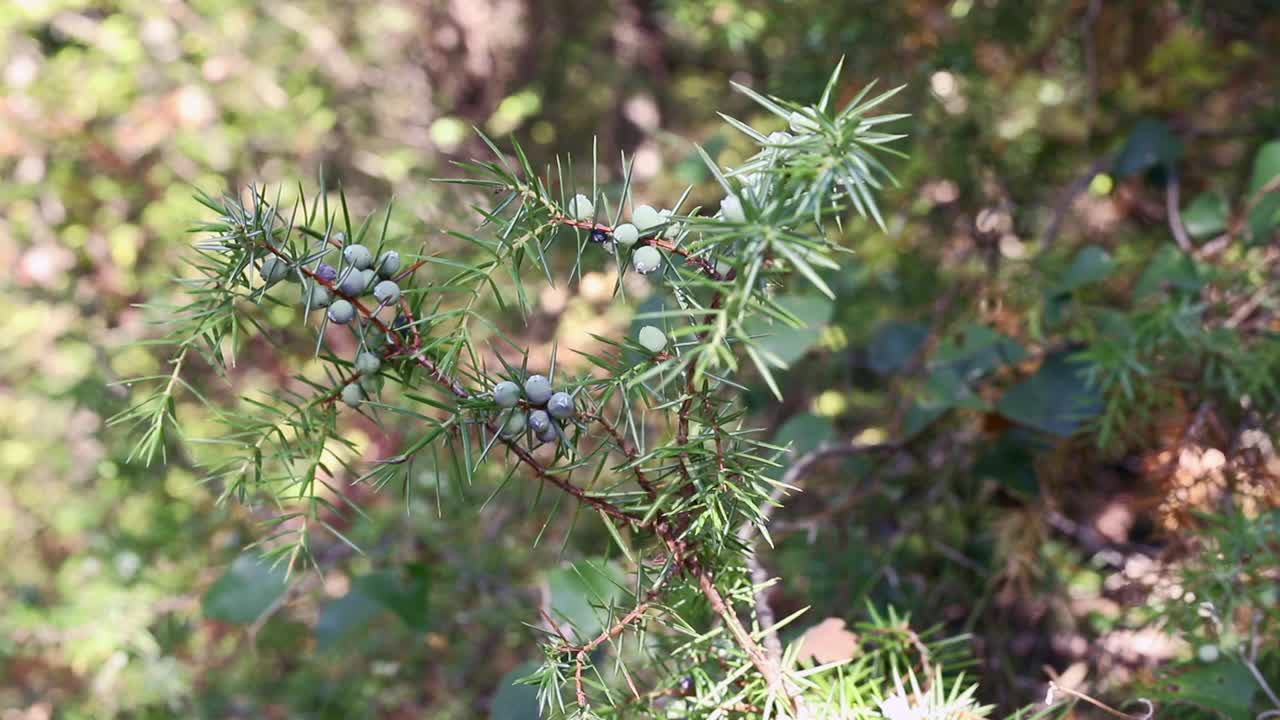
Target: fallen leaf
(829, 641)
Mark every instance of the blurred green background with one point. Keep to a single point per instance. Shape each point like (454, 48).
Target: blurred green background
(120, 594)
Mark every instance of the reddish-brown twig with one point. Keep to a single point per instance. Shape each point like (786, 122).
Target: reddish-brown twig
(707, 267)
(628, 450)
(769, 669)
(581, 652)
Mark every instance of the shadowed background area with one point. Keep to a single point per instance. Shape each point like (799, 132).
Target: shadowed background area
(1065, 156)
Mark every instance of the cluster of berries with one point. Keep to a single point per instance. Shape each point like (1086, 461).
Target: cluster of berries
(335, 288)
(644, 221)
(546, 408)
(358, 274)
(368, 382)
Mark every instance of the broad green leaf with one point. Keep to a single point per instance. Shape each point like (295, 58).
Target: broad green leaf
(894, 345)
(1009, 461)
(1225, 687)
(977, 350)
(943, 390)
(920, 416)
(790, 344)
(803, 433)
(407, 596)
(1151, 145)
(1266, 214)
(1055, 400)
(1169, 268)
(582, 593)
(1090, 265)
(342, 617)
(248, 588)
(1266, 166)
(515, 700)
(371, 595)
(1206, 216)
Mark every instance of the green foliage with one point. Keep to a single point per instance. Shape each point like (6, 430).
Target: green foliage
(1034, 226)
(245, 592)
(1057, 399)
(697, 489)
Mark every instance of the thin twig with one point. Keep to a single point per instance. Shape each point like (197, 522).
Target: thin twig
(1246, 308)
(707, 267)
(746, 534)
(1174, 214)
(1091, 55)
(807, 462)
(1262, 682)
(628, 450)
(1055, 687)
(770, 670)
(1271, 186)
(581, 652)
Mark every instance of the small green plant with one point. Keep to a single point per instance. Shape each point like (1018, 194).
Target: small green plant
(653, 442)
(1225, 602)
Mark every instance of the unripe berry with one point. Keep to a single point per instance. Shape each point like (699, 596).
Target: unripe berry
(731, 209)
(370, 277)
(388, 263)
(353, 395)
(273, 269)
(386, 292)
(514, 425)
(352, 282)
(653, 339)
(646, 259)
(358, 255)
(340, 237)
(539, 421)
(723, 269)
(341, 312)
(548, 434)
(672, 229)
(560, 405)
(326, 272)
(646, 218)
(538, 389)
(316, 296)
(626, 234)
(580, 207)
(367, 363)
(371, 384)
(506, 394)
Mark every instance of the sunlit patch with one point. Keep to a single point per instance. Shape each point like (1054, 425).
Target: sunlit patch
(940, 192)
(829, 403)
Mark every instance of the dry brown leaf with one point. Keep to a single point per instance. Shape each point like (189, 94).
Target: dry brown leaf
(829, 641)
